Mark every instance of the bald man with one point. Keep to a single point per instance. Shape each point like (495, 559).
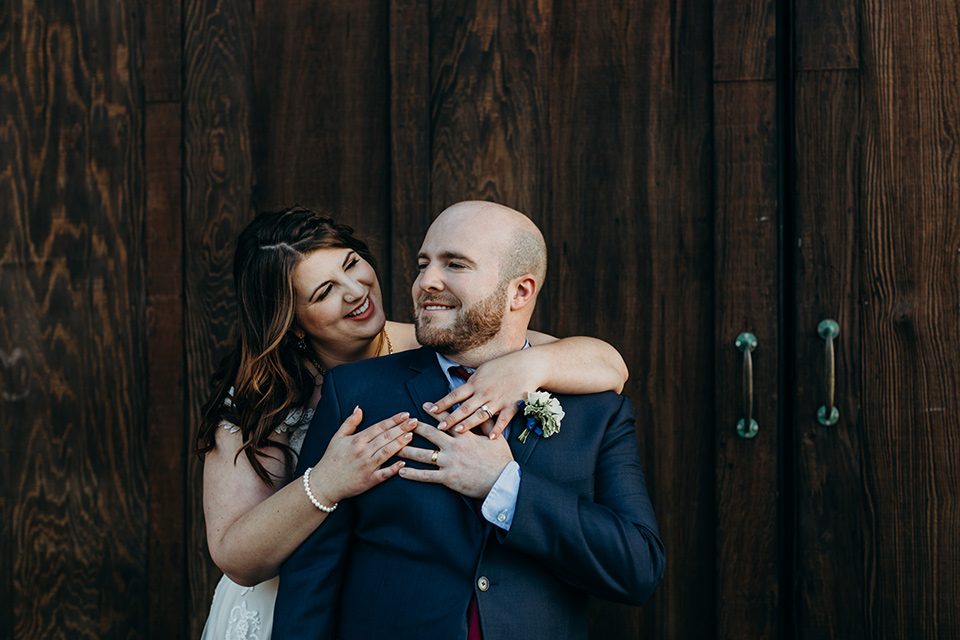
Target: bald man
(479, 537)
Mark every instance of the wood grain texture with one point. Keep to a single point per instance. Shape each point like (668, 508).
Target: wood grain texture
(910, 63)
(410, 213)
(217, 195)
(162, 62)
(828, 495)
(744, 40)
(169, 441)
(748, 544)
(487, 111)
(72, 321)
(826, 34)
(322, 121)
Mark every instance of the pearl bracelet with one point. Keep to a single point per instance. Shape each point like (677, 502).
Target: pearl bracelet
(316, 503)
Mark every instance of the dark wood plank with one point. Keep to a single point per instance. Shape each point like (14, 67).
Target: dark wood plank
(162, 62)
(410, 213)
(322, 122)
(748, 544)
(830, 571)
(826, 34)
(487, 110)
(73, 324)
(168, 440)
(744, 40)
(217, 194)
(910, 378)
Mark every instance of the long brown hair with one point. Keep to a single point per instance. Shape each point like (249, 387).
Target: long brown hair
(266, 368)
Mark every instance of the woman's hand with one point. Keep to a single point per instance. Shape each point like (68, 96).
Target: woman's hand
(352, 462)
(494, 390)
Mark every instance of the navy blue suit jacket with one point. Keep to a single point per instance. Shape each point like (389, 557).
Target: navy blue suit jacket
(403, 559)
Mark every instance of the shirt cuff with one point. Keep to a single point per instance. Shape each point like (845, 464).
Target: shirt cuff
(501, 502)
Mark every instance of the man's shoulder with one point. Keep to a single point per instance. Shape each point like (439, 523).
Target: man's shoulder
(604, 398)
(383, 365)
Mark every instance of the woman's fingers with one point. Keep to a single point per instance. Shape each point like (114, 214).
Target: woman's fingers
(462, 414)
(380, 475)
(455, 397)
(393, 445)
(503, 419)
(387, 430)
(350, 425)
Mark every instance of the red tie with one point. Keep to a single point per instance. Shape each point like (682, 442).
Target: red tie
(460, 371)
(473, 611)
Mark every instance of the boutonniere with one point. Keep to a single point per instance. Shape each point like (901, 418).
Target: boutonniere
(544, 414)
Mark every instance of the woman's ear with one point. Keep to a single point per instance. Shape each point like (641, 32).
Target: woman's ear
(524, 291)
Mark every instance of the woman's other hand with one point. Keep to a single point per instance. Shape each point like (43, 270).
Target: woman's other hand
(493, 391)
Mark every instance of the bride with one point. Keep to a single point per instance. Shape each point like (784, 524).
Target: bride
(308, 299)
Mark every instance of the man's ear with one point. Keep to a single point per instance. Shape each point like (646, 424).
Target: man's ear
(524, 290)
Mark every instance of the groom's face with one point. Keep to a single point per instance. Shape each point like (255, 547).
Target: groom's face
(459, 298)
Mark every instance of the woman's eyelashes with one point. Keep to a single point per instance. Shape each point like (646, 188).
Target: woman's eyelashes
(350, 264)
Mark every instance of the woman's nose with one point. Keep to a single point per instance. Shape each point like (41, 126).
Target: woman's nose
(353, 291)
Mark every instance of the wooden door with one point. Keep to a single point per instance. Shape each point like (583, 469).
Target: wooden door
(875, 245)
(836, 201)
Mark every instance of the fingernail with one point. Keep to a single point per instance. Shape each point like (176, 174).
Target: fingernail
(411, 422)
(404, 415)
(442, 426)
(400, 465)
(493, 436)
(402, 474)
(356, 408)
(460, 429)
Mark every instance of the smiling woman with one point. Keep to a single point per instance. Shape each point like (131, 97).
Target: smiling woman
(308, 299)
(339, 306)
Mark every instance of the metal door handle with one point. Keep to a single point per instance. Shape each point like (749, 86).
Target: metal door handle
(747, 427)
(828, 414)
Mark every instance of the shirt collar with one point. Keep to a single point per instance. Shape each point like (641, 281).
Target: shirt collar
(446, 363)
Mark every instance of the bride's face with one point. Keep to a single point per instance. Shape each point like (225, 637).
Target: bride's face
(338, 297)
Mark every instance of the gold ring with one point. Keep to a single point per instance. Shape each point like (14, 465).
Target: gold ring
(433, 458)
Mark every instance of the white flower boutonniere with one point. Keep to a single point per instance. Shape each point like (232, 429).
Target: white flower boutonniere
(544, 414)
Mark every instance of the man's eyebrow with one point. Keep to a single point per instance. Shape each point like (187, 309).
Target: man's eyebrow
(447, 255)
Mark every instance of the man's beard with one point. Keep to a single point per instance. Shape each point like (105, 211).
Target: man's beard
(471, 327)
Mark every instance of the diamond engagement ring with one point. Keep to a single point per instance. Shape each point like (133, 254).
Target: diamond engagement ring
(487, 409)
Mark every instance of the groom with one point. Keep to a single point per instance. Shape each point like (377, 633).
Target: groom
(493, 538)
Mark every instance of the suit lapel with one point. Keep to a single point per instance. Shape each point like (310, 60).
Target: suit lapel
(521, 451)
(429, 386)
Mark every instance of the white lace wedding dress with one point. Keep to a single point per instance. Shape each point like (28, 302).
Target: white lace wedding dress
(246, 613)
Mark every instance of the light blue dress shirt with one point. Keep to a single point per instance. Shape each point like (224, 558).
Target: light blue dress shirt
(501, 503)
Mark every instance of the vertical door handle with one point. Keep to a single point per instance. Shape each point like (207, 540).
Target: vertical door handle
(828, 414)
(747, 426)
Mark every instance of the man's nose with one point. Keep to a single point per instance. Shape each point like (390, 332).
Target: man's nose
(429, 279)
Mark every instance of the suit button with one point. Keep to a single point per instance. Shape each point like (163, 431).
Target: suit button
(483, 584)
